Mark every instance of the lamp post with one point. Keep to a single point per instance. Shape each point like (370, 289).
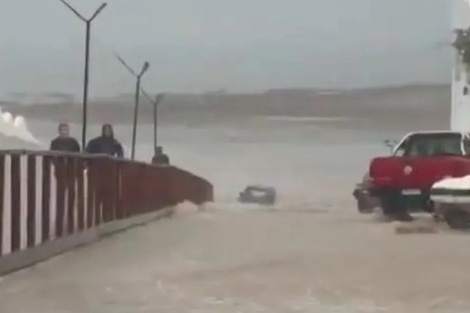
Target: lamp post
(138, 76)
(87, 62)
(155, 104)
(158, 100)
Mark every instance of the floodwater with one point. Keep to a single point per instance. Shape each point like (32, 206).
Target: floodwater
(310, 253)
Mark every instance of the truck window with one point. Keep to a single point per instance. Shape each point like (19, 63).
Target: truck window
(434, 145)
(419, 148)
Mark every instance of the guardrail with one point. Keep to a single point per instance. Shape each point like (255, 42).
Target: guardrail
(45, 196)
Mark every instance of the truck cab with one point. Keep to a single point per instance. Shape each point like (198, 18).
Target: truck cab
(402, 181)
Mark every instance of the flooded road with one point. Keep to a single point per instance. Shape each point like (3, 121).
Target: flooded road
(252, 260)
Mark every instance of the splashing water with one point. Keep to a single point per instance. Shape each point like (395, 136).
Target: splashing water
(11, 126)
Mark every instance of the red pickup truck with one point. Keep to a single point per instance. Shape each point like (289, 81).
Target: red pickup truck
(401, 182)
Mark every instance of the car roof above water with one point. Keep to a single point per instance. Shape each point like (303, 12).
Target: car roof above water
(259, 187)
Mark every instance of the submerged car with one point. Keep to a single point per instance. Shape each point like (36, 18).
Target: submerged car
(258, 194)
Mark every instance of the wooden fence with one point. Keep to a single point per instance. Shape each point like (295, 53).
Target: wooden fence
(45, 196)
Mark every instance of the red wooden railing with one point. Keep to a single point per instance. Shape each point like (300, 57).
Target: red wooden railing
(46, 196)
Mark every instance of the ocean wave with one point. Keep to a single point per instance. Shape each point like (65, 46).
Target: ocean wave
(15, 126)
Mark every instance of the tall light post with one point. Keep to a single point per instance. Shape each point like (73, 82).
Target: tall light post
(87, 63)
(155, 103)
(139, 75)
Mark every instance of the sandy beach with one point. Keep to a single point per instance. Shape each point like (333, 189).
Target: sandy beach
(312, 252)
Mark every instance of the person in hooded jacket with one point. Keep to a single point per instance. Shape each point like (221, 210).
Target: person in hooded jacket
(105, 144)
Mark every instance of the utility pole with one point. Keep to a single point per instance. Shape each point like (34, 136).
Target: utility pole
(87, 63)
(155, 103)
(138, 76)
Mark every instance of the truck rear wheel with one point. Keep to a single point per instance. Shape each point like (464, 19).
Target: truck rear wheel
(457, 218)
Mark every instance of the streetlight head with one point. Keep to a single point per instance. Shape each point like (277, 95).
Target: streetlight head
(101, 8)
(98, 11)
(145, 68)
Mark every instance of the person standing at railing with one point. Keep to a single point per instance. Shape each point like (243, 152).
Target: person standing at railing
(64, 142)
(160, 158)
(106, 143)
(65, 170)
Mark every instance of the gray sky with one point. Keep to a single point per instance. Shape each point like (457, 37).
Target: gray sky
(200, 45)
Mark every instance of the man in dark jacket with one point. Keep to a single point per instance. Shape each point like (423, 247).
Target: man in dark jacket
(160, 158)
(105, 144)
(64, 142)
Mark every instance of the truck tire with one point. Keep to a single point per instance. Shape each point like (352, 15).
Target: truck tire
(457, 218)
(392, 206)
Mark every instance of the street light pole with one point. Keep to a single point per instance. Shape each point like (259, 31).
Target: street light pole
(155, 103)
(155, 121)
(139, 75)
(87, 62)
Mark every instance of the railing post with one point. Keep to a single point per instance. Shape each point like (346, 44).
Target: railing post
(80, 194)
(61, 181)
(31, 215)
(118, 192)
(71, 172)
(15, 203)
(97, 190)
(90, 193)
(46, 198)
(106, 189)
(2, 197)
(80, 168)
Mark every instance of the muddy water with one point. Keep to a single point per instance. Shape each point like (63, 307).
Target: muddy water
(310, 253)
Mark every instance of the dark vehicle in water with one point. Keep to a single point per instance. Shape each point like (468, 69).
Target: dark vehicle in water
(258, 194)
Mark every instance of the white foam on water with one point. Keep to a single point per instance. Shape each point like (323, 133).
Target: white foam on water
(16, 126)
(186, 208)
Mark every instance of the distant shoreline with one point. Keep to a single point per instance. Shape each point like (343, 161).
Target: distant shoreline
(424, 106)
(23, 98)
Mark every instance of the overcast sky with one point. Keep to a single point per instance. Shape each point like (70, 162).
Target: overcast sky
(201, 45)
